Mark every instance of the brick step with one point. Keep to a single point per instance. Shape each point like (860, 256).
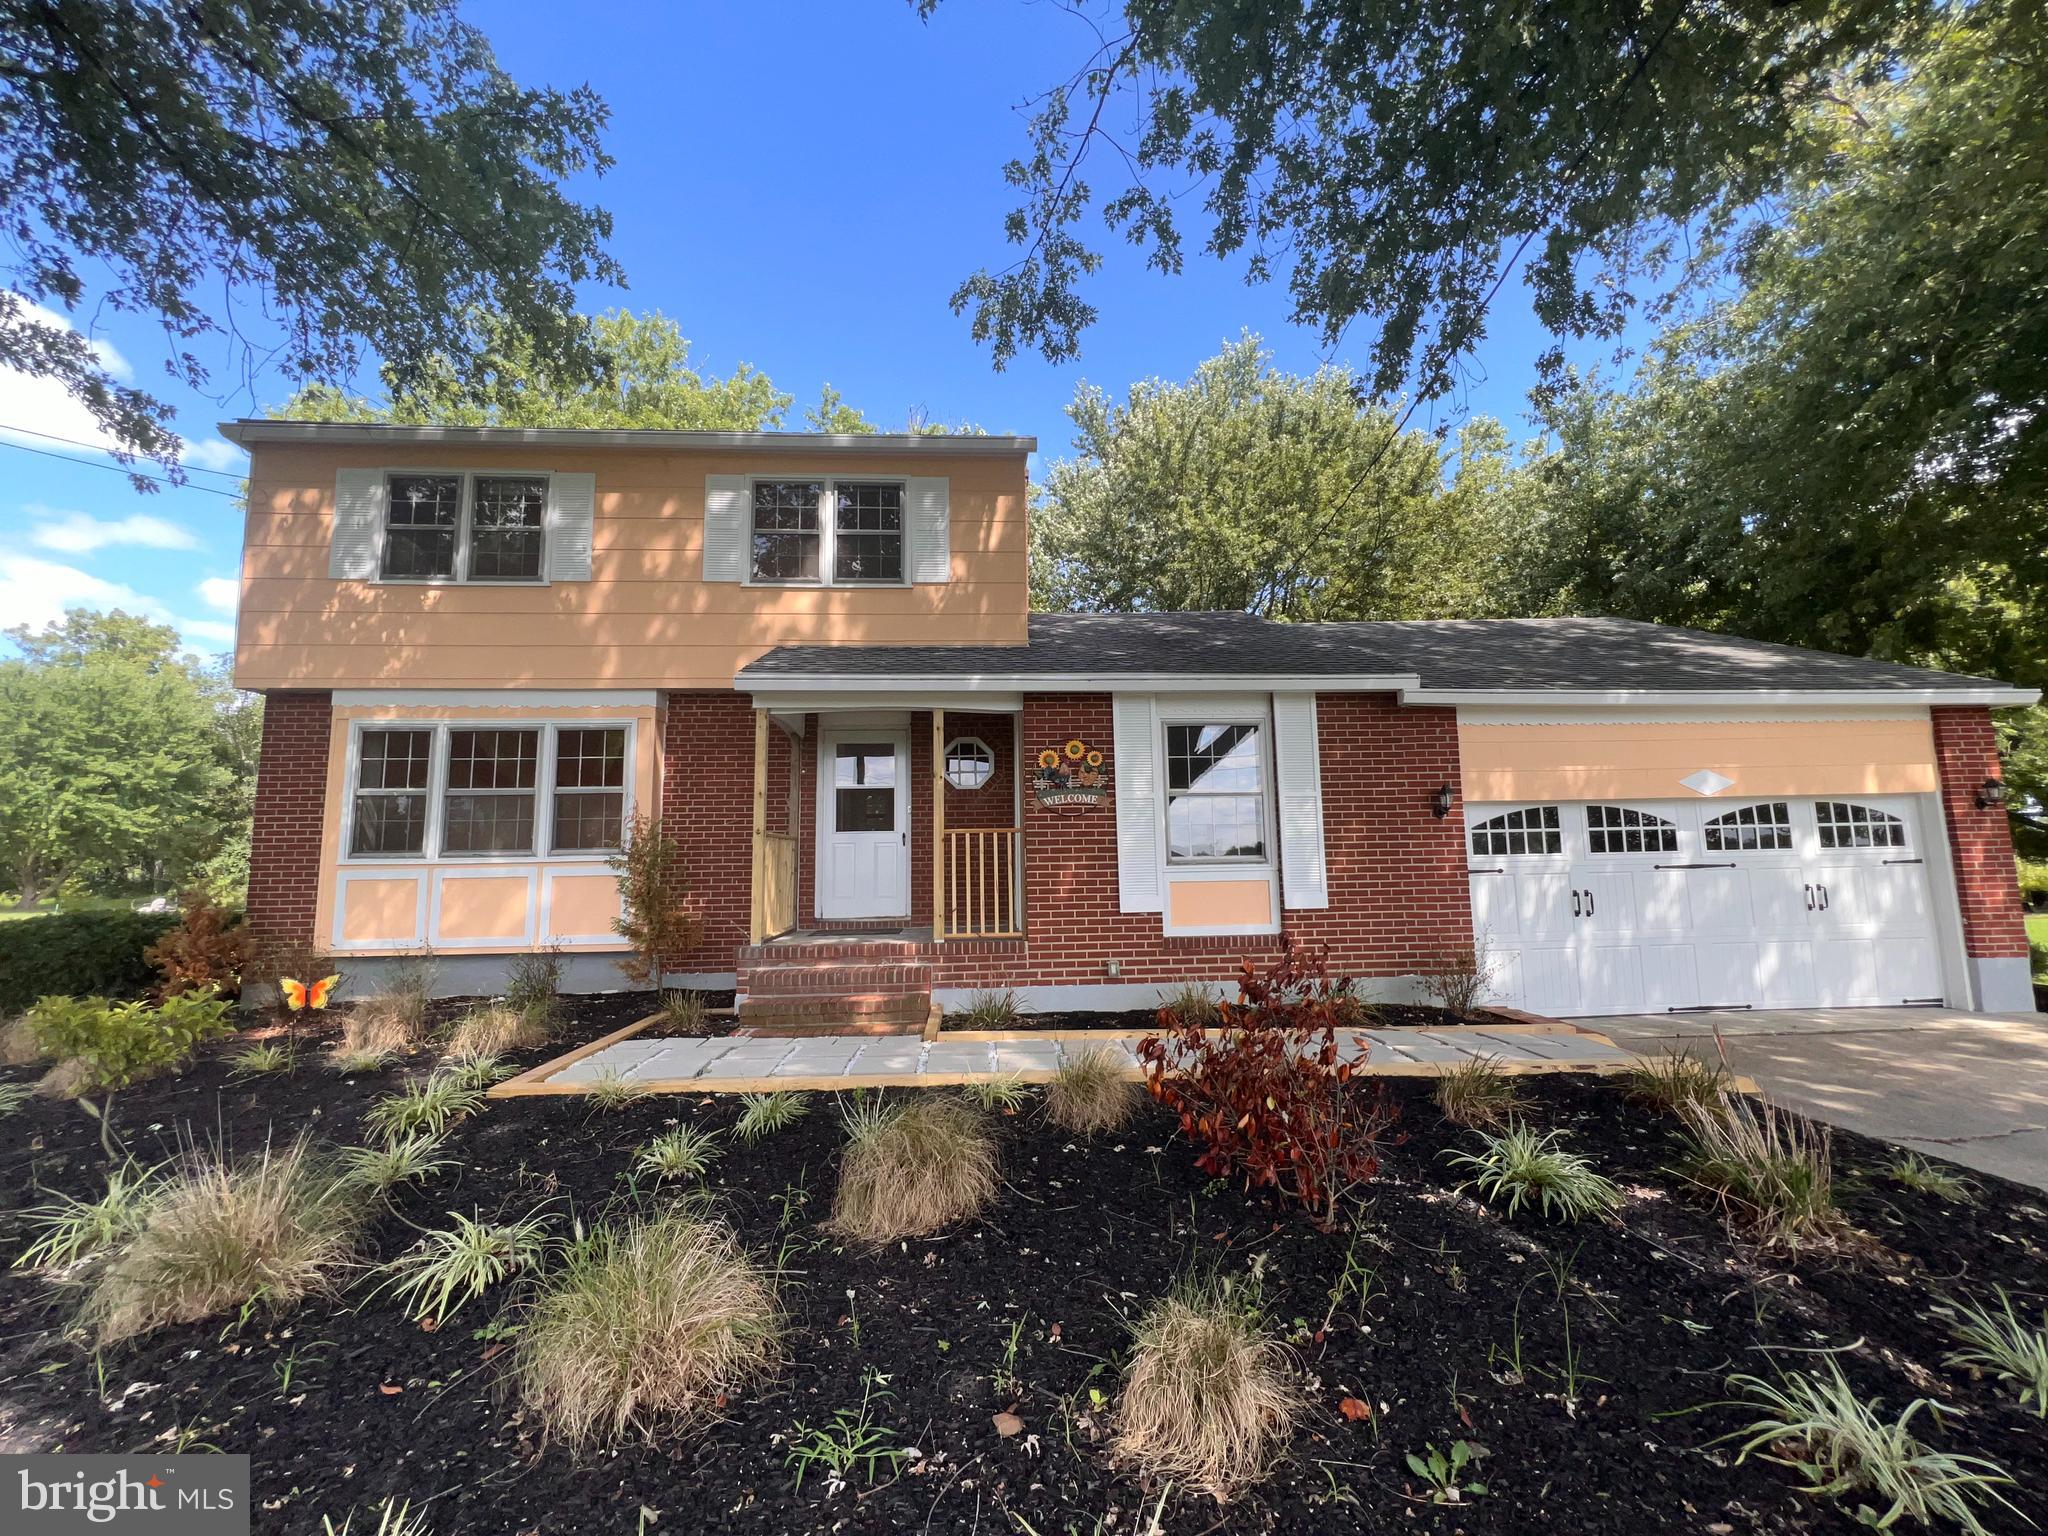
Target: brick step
(846, 1014)
(850, 951)
(793, 1029)
(834, 980)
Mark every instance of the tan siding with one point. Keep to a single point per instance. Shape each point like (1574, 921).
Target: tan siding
(644, 620)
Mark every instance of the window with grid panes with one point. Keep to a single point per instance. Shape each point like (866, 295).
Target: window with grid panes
(590, 789)
(393, 771)
(488, 805)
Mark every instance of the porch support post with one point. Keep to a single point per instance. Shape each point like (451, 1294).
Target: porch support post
(757, 923)
(938, 824)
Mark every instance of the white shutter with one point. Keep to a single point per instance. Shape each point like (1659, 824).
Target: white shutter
(725, 528)
(931, 531)
(1303, 870)
(572, 513)
(1138, 800)
(358, 524)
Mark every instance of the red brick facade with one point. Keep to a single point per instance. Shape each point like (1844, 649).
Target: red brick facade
(290, 815)
(1980, 839)
(707, 806)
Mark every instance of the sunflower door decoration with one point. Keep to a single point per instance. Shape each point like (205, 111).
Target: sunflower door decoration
(1075, 774)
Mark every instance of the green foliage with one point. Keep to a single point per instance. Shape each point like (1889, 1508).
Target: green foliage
(405, 1160)
(264, 1059)
(1247, 488)
(1444, 1474)
(1520, 1164)
(424, 1107)
(70, 1229)
(446, 1268)
(682, 1153)
(1401, 156)
(1772, 1171)
(763, 1114)
(1004, 1091)
(120, 1043)
(1672, 1080)
(989, 1009)
(77, 954)
(850, 1443)
(1910, 1170)
(2000, 1342)
(113, 755)
(1836, 1439)
(364, 170)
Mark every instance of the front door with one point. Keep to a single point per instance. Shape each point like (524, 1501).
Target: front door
(864, 823)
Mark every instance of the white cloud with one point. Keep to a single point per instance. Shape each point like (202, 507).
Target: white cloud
(222, 635)
(213, 453)
(77, 533)
(32, 404)
(221, 592)
(36, 592)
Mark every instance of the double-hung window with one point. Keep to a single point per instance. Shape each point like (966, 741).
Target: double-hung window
(828, 532)
(464, 527)
(478, 792)
(1215, 794)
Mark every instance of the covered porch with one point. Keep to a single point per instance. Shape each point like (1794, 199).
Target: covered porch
(890, 823)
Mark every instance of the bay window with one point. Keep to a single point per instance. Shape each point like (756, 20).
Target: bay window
(393, 772)
(488, 804)
(1215, 794)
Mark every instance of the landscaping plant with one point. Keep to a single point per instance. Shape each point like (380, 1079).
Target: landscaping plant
(2002, 1343)
(1003, 1092)
(208, 948)
(612, 1090)
(1191, 1003)
(496, 1028)
(1673, 1080)
(1457, 978)
(96, 953)
(533, 987)
(654, 918)
(116, 1044)
(645, 1327)
(70, 1229)
(1477, 1094)
(1770, 1170)
(1209, 1395)
(426, 1106)
(1091, 1093)
(763, 1114)
(684, 1013)
(987, 1010)
(383, 1167)
(18, 1046)
(477, 1072)
(220, 1235)
(444, 1269)
(1520, 1164)
(264, 1059)
(1443, 1473)
(1910, 1170)
(852, 1442)
(912, 1168)
(682, 1153)
(1835, 1438)
(1265, 1093)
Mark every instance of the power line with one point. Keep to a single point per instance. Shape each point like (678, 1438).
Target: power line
(51, 437)
(118, 469)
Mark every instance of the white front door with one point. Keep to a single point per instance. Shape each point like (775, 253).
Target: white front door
(864, 823)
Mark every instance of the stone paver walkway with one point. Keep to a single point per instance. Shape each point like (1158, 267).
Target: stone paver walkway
(741, 1064)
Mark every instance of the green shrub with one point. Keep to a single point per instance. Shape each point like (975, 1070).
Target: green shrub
(117, 1044)
(78, 954)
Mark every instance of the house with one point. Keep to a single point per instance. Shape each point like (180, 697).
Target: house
(486, 650)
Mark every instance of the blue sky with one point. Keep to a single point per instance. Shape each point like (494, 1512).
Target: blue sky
(801, 186)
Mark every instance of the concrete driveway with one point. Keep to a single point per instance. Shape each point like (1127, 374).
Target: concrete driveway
(1970, 1087)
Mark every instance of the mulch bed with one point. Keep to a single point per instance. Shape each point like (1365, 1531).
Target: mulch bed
(1659, 1308)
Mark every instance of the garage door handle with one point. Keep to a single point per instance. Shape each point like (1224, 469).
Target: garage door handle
(1809, 898)
(1575, 904)
(1823, 898)
(1589, 903)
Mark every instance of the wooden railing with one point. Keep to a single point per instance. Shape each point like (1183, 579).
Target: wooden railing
(775, 880)
(980, 883)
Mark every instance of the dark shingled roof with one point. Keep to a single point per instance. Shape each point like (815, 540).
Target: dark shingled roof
(1565, 655)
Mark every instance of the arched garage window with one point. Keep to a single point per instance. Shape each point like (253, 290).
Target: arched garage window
(1532, 829)
(1765, 828)
(1624, 829)
(1844, 824)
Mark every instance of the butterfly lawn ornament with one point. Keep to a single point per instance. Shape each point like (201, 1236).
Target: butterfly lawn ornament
(298, 995)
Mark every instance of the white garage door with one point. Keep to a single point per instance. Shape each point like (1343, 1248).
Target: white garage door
(1653, 905)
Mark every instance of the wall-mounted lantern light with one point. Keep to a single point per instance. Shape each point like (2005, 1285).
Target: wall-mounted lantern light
(1991, 795)
(1440, 802)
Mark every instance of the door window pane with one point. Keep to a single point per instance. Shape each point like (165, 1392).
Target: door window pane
(868, 532)
(864, 787)
(390, 813)
(786, 529)
(506, 521)
(420, 517)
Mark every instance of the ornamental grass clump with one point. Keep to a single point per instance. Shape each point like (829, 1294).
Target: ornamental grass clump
(426, 1106)
(683, 1153)
(1673, 1081)
(1771, 1171)
(69, 1229)
(457, 1264)
(912, 1168)
(1477, 1094)
(1092, 1092)
(2002, 1344)
(763, 1114)
(1209, 1396)
(1267, 1092)
(1519, 1165)
(272, 1228)
(498, 1028)
(645, 1328)
(987, 1010)
(1835, 1438)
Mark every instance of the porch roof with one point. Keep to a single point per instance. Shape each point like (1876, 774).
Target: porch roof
(1426, 661)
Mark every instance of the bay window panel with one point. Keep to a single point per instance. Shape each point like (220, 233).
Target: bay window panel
(488, 806)
(590, 790)
(389, 816)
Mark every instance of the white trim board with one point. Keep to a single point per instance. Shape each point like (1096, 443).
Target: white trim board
(496, 698)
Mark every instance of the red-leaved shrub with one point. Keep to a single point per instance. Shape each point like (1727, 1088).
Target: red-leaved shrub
(208, 948)
(1262, 1091)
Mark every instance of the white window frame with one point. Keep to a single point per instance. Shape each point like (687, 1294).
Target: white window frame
(464, 511)
(1477, 823)
(1659, 825)
(1269, 830)
(828, 531)
(986, 751)
(1711, 812)
(437, 788)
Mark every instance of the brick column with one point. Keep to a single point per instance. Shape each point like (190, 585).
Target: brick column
(707, 806)
(1980, 844)
(286, 828)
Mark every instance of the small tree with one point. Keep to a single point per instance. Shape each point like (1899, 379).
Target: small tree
(653, 917)
(1458, 978)
(1263, 1090)
(208, 948)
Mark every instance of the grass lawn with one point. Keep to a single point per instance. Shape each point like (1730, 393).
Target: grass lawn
(2037, 938)
(978, 1377)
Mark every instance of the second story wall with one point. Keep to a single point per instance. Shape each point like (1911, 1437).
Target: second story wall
(645, 616)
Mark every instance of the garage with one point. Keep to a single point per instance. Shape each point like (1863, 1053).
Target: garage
(1644, 906)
